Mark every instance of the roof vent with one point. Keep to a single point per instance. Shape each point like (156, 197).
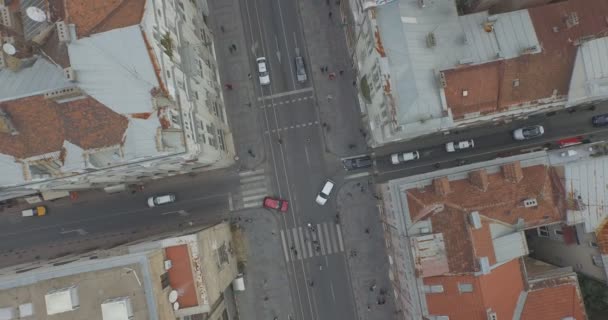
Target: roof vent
(484, 264)
(62, 31)
(168, 264)
(529, 203)
(492, 315)
(442, 80)
(488, 26)
(467, 60)
(431, 40)
(475, 220)
(6, 18)
(61, 94)
(465, 93)
(515, 83)
(572, 19)
(70, 74)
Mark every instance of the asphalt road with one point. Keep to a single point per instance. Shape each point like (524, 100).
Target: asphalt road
(319, 284)
(490, 142)
(109, 219)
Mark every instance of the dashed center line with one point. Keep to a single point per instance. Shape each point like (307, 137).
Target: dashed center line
(297, 126)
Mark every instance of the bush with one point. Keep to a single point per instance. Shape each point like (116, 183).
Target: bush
(365, 90)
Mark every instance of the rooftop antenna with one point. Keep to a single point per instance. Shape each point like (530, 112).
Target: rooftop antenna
(36, 14)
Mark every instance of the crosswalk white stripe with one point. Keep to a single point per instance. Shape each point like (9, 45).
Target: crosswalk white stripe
(314, 238)
(332, 236)
(327, 240)
(252, 179)
(340, 241)
(254, 185)
(321, 239)
(296, 243)
(252, 198)
(309, 242)
(302, 243)
(251, 173)
(284, 246)
(251, 205)
(253, 191)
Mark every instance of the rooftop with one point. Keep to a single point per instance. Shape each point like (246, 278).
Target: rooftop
(181, 276)
(99, 16)
(533, 75)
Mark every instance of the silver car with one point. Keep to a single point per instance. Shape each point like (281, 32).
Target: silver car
(300, 69)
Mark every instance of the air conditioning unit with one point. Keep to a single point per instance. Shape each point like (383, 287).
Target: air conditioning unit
(484, 264)
(529, 203)
(6, 18)
(492, 315)
(168, 264)
(62, 31)
(70, 74)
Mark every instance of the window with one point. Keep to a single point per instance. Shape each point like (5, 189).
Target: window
(597, 261)
(164, 280)
(543, 231)
(433, 289)
(558, 232)
(465, 287)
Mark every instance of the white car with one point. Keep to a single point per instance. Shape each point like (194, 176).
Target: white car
(528, 132)
(460, 145)
(263, 71)
(325, 192)
(397, 158)
(160, 200)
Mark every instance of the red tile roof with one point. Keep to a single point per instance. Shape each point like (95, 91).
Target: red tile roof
(490, 86)
(181, 277)
(601, 235)
(498, 291)
(557, 302)
(44, 125)
(91, 16)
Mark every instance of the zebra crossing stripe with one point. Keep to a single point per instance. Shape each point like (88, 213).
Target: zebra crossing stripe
(340, 241)
(328, 241)
(251, 173)
(321, 239)
(303, 245)
(284, 246)
(252, 179)
(309, 242)
(296, 243)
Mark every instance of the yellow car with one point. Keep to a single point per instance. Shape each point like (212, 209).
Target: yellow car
(38, 211)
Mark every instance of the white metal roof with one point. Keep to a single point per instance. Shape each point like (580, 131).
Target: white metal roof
(117, 309)
(114, 68)
(140, 137)
(589, 80)
(40, 77)
(74, 158)
(510, 247)
(61, 300)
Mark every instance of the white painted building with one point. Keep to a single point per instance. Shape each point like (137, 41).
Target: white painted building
(112, 95)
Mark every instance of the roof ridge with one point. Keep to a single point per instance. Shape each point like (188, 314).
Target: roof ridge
(108, 16)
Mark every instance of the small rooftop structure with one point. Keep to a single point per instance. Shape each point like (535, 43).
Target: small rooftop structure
(62, 300)
(117, 309)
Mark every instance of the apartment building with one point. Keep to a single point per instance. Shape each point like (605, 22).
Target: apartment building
(103, 94)
(423, 68)
(458, 242)
(171, 276)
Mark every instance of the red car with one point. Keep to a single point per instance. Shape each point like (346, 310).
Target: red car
(276, 204)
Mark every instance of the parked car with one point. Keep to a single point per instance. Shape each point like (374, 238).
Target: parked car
(263, 71)
(300, 69)
(397, 158)
(600, 120)
(160, 200)
(325, 192)
(276, 204)
(357, 163)
(38, 211)
(530, 132)
(460, 145)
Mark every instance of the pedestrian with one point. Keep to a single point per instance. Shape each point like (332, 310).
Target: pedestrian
(326, 68)
(330, 14)
(322, 69)
(332, 75)
(329, 97)
(222, 28)
(354, 83)
(341, 72)
(280, 141)
(234, 47)
(230, 49)
(228, 86)
(249, 76)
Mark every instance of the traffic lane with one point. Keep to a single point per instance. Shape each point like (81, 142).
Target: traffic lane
(42, 230)
(562, 123)
(332, 287)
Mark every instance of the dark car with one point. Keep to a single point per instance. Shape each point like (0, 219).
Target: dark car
(357, 163)
(600, 120)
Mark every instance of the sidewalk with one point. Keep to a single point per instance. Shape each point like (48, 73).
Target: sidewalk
(336, 99)
(233, 68)
(267, 293)
(362, 232)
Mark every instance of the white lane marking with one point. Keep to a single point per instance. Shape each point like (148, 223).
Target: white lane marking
(340, 241)
(250, 173)
(252, 179)
(253, 198)
(334, 242)
(307, 156)
(230, 203)
(333, 295)
(253, 191)
(79, 231)
(282, 94)
(284, 246)
(302, 242)
(327, 239)
(357, 175)
(321, 239)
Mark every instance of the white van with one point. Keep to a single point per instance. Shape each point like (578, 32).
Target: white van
(160, 200)
(324, 193)
(397, 158)
(460, 145)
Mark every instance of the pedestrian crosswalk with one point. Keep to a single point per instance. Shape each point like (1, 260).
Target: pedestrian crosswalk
(253, 188)
(305, 242)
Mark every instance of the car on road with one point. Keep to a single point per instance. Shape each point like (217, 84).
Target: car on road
(530, 132)
(460, 145)
(263, 71)
(323, 195)
(600, 120)
(38, 211)
(357, 163)
(401, 157)
(276, 204)
(160, 200)
(300, 69)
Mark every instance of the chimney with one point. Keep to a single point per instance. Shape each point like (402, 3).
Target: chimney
(442, 186)
(512, 172)
(479, 178)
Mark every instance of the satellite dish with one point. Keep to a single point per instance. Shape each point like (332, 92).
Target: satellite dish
(173, 296)
(176, 306)
(9, 49)
(36, 14)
